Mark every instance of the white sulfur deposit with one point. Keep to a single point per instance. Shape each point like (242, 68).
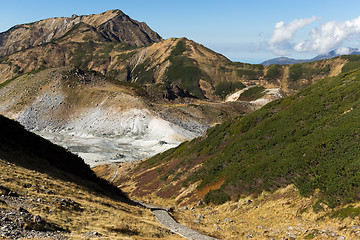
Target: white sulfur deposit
(102, 134)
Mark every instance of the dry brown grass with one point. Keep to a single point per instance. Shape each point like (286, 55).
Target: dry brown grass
(112, 219)
(269, 216)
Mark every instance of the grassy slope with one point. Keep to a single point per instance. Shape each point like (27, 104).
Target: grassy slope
(77, 209)
(36, 169)
(48, 158)
(309, 139)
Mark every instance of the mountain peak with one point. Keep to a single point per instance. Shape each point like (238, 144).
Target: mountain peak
(113, 25)
(115, 11)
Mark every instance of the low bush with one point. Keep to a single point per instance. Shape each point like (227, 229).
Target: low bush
(223, 88)
(252, 94)
(310, 139)
(216, 197)
(273, 72)
(184, 72)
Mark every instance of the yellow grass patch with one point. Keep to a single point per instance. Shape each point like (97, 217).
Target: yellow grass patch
(110, 218)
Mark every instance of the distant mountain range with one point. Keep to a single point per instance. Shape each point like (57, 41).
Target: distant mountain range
(331, 54)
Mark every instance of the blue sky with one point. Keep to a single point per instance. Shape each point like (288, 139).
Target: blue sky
(246, 31)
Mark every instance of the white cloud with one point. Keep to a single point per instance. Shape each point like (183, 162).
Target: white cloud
(280, 41)
(330, 35)
(326, 37)
(343, 51)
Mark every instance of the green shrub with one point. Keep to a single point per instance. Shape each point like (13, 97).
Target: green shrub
(222, 89)
(216, 197)
(142, 74)
(351, 58)
(350, 66)
(179, 48)
(300, 71)
(182, 70)
(83, 54)
(252, 94)
(248, 73)
(310, 139)
(349, 211)
(295, 72)
(273, 72)
(310, 236)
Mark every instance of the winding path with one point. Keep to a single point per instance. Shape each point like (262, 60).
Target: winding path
(163, 216)
(169, 222)
(113, 177)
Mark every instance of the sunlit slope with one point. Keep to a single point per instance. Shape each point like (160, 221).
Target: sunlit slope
(169, 69)
(310, 139)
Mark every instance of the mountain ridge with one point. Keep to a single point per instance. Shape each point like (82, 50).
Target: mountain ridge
(331, 54)
(113, 25)
(177, 84)
(216, 154)
(97, 95)
(297, 154)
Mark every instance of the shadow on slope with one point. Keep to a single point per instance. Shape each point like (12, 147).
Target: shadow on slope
(28, 150)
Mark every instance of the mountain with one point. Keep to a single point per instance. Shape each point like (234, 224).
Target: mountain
(172, 68)
(111, 98)
(111, 26)
(331, 54)
(337, 52)
(47, 192)
(105, 120)
(308, 140)
(91, 83)
(86, 86)
(284, 60)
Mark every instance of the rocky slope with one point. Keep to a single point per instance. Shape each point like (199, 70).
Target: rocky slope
(48, 193)
(112, 26)
(102, 120)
